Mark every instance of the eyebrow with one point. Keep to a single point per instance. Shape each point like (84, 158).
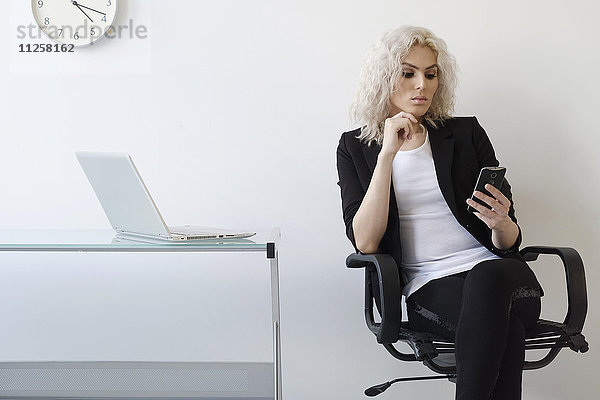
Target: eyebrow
(415, 67)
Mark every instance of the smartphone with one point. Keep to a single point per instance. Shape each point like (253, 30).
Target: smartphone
(492, 175)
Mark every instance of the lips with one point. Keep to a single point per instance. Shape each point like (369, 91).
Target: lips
(419, 100)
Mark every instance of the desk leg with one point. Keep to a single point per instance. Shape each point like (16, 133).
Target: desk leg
(276, 331)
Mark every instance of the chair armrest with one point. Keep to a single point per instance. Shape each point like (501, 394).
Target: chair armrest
(390, 294)
(575, 277)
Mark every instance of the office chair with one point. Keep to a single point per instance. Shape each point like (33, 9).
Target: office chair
(437, 353)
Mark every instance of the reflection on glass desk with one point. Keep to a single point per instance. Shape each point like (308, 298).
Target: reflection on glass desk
(156, 380)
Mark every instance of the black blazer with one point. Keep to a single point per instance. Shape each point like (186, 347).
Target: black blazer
(460, 149)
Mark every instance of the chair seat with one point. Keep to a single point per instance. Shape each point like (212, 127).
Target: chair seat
(544, 335)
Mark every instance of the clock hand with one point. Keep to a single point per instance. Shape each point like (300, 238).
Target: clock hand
(80, 9)
(81, 5)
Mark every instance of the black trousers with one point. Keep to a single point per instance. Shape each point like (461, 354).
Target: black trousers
(486, 311)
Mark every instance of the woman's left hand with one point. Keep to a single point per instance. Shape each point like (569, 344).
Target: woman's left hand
(504, 230)
(497, 218)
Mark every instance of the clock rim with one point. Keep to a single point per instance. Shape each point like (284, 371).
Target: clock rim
(33, 11)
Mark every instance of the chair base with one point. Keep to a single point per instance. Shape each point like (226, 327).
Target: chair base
(378, 389)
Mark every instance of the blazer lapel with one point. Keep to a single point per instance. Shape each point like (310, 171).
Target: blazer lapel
(442, 148)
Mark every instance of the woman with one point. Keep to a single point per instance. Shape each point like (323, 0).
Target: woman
(406, 178)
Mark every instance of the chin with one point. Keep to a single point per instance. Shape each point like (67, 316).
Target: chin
(419, 112)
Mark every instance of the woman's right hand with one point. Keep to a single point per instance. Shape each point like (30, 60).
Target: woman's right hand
(397, 129)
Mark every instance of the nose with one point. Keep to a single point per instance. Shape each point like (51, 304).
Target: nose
(420, 82)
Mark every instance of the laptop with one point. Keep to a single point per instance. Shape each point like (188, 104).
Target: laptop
(129, 205)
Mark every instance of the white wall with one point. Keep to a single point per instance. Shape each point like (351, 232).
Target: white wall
(237, 106)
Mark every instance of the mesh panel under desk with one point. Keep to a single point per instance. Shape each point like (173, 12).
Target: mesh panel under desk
(95, 380)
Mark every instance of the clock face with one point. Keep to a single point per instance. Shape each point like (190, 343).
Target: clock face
(79, 23)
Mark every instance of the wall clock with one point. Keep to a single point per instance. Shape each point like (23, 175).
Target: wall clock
(79, 23)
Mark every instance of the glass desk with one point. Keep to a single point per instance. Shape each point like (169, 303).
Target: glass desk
(119, 380)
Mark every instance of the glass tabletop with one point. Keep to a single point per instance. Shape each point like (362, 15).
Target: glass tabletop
(105, 240)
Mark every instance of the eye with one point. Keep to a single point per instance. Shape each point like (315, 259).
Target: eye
(408, 74)
(430, 76)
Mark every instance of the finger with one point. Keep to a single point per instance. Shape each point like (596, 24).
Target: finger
(492, 202)
(398, 125)
(484, 211)
(405, 129)
(497, 194)
(411, 128)
(401, 124)
(411, 117)
(485, 198)
(485, 219)
(403, 114)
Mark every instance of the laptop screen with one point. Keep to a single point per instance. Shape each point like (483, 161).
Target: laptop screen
(122, 193)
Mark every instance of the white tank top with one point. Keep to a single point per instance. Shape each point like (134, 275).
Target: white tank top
(434, 244)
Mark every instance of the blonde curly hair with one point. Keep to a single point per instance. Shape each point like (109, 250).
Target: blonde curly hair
(381, 71)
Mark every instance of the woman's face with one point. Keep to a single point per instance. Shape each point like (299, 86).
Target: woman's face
(418, 83)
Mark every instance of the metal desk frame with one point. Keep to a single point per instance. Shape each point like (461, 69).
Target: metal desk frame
(269, 245)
